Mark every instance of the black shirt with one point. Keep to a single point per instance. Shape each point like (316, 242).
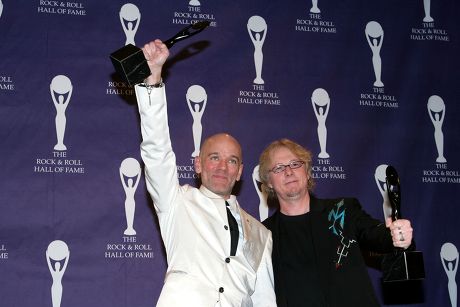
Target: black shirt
(299, 270)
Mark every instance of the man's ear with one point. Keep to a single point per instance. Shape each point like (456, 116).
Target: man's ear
(197, 164)
(240, 171)
(269, 184)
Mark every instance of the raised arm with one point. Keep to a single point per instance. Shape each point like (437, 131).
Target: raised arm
(156, 148)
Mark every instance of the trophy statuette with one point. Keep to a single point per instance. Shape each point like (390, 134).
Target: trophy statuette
(129, 61)
(400, 265)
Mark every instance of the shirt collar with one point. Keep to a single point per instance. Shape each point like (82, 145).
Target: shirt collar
(214, 196)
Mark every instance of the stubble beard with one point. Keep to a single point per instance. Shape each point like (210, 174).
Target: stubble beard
(293, 194)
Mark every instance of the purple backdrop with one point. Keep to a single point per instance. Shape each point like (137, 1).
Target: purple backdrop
(67, 123)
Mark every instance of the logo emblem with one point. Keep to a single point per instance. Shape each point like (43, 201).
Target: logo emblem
(374, 36)
(437, 111)
(196, 100)
(257, 29)
(61, 91)
(130, 17)
(130, 173)
(320, 101)
(57, 257)
(449, 259)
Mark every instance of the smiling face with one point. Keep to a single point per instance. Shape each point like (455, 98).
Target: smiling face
(289, 184)
(220, 164)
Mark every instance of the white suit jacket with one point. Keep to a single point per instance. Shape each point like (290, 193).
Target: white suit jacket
(193, 224)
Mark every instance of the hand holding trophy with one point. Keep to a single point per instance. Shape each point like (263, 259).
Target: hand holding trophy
(130, 63)
(402, 264)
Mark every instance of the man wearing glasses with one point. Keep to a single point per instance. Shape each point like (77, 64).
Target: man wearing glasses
(316, 254)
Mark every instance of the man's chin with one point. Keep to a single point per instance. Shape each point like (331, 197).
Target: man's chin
(293, 194)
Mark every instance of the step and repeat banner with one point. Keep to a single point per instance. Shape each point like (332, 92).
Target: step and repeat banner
(363, 84)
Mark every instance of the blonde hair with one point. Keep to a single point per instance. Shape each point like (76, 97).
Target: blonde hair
(298, 150)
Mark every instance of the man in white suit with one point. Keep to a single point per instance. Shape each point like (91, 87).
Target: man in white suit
(202, 269)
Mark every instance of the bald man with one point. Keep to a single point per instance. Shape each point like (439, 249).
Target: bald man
(206, 267)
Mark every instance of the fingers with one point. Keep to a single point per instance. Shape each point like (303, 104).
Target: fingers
(146, 50)
(402, 223)
(388, 221)
(149, 50)
(156, 53)
(401, 233)
(155, 49)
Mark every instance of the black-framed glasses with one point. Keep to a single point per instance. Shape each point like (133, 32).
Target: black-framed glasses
(292, 165)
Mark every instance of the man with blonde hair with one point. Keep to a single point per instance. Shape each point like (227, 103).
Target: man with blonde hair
(316, 254)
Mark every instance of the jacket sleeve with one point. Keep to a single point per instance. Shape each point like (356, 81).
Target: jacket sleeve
(264, 293)
(371, 233)
(156, 149)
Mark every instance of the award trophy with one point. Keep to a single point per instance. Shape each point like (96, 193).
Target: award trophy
(130, 63)
(400, 265)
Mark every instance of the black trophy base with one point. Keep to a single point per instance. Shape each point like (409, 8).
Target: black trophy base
(403, 266)
(130, 64)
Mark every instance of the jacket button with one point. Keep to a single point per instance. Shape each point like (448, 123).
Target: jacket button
(226, 227)
(227, 260)
(221, 289)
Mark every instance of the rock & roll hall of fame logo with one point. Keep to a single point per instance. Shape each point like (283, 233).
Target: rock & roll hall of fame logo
(257, 94)
(192, 13)
(427, 30)
(130, 173)
(437, 112)
(374, 37)
(321, 102)
(196, 98)
(130, 17)
(257, 29)
(57, 257)
(323, 169)
(441, 173)
(449, 258)
(313, 22)
(377, 98)
(61, 92)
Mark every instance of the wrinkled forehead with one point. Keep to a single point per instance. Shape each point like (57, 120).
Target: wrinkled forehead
(222, 144)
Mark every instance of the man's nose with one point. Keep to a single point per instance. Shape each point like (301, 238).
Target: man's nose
(288, 171)
(222, 164)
